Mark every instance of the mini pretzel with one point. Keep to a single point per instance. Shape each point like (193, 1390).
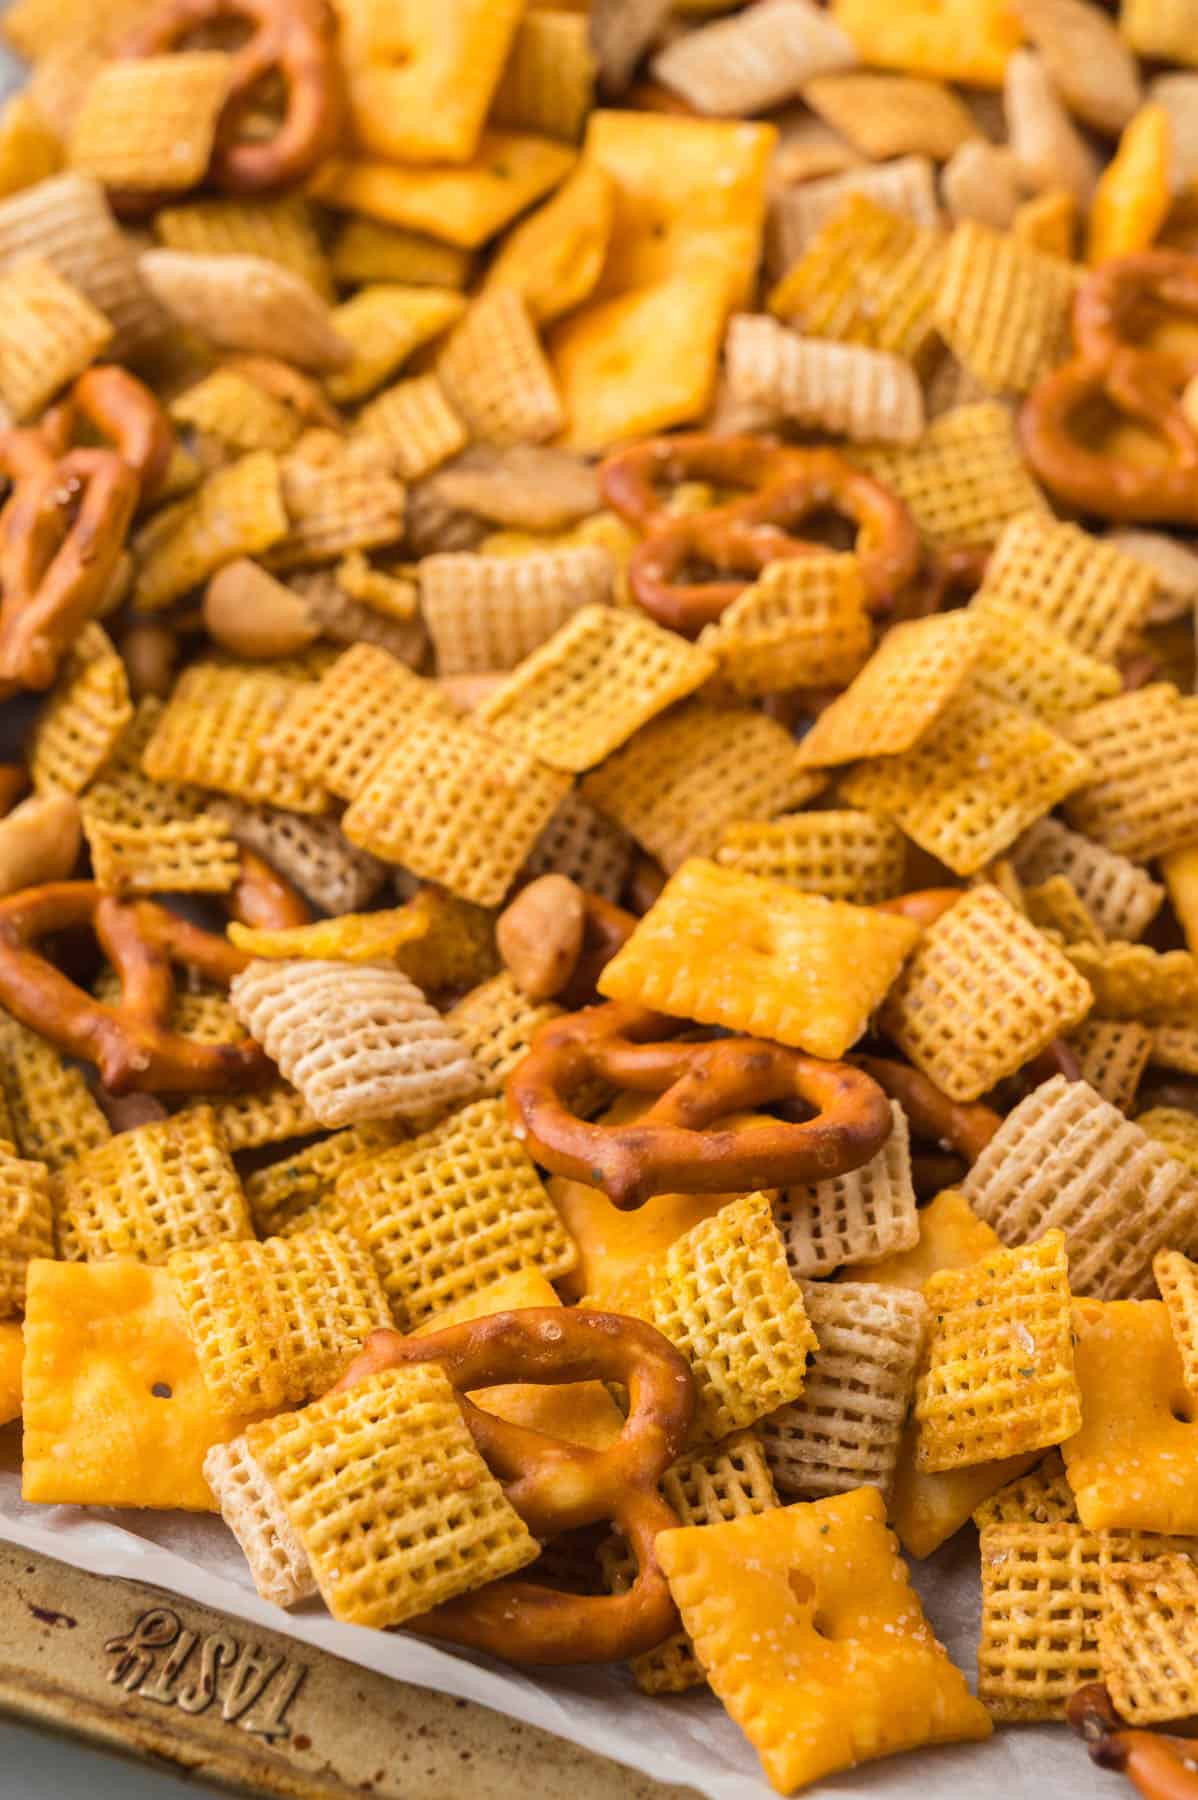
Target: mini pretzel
(557, 1486)
(131, 1044)
(1113, 308)
(677, 1146)
(1160, 1766)
(294, 40)
(965, 1128)
(745, 537)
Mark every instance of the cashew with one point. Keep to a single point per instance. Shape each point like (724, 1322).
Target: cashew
(149, 653)
(39, 841)
(249, 613)
(540, 935)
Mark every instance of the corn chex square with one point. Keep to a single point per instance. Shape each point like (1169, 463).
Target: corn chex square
(283, 1190)
(983, 993)
(333, 731)
(1133, 981)
(803, 623)
(281, 228)
(274, 1324)
(340, 495)
(965, 478)
(841, 854)
(1146, 1639)
(983, 772)
(450, 1212)
(1042, 1608)
(416, 422)
(149, 123)
(1177, 1279)
(1142, 797)
(1033, 664)
(385, 323)
(597, 680)
(1003, 307)
(1122, 898)
(213, 733)
(684, 777)
(228, 410)
(1055, 906)
(729, 949)
(393, 1505)
(80, 726)
(487, 613)
(49, 334)
(498, 1024)
(238, 510)
(998, 1377)
(907, 186)
(1040, 1496)
(859, 1217)
(50, 1107)
(845, 1430)
(1086, 587)
(1067, 1160)
(26, 1224)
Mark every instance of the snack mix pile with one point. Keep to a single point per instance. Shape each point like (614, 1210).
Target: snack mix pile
(599, 854)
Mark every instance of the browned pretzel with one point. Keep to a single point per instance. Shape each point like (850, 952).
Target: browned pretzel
(678, 1146)
(557, 1486)
(964, 1127)
(1161, 1767)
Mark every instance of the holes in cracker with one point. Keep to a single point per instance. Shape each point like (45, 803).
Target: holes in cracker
(162, 1390)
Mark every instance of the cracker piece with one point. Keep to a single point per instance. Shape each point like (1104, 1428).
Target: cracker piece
(156, 1189)
(498, 1024)
(960, 41)
(554, 258)
(1113, 1054)
(964, 480)
(149, 123)
(255, 1515)
(50, 332)
(1122, 898)
(1067, 1159)
(861, 1217)
(274, 1324)
(455, 804)
(865, 395)
(213, 732)
(12, 1355)
(981, 774)
(385, 323)
(1134, 1463)
(240, 302)
(1133, 981)
(417, 423)
(918, 668)
(1084, 586)
(1042, 1608)
(686, 776)
(906, 186)
(450, 1212)
(752, 955)
(752, 61)
(803, 623)
(80, 726)
(496, 375)
(359, 1042)
(308, 850)
(50, 1107)
(548, 81)
(236, 511)
(844, 855)
(598, 679)
(870, 1681)
(1175, 1128)
(334, 732)
(1055, 907)
(1035, 665)
(394, 1506)
(1142, 798)
(1146, 1639)
(950, 1236)
(724, 1296)
(278, 227)
(1003, 307)
(581, 843)
(26, 1224)
(1040, 1496)
(281, 1192)
(845, 1430)
(1175, 1047)
(490, 612)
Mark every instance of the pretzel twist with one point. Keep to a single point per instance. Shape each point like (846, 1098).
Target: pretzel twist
(1160, 1766)
(294, 40)
(788, 486)
(1113, 310)
(965, 1127)
(677, 1146)
(557, 1486)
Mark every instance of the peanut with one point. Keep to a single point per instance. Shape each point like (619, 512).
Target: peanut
(540, 935)
(249, 613)
(150, 653)
(39, 841)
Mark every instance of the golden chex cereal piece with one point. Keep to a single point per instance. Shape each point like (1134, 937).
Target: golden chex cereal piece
(1132, 981)
(686, 776)
(274, 1324)
(844, 855)
(861, 1217)
(149, 123)
(333, 732)
(26, 1224)
(450, 1212)
(235, 511)
(803, 623)
(845, 1430)
(490, 612)
(1142, 799)
(1146, 1639)
(1175, 1128)
(598, 679)
(950, 1236)
(213, 732)
(910, 679)
(1003, 308)
(1134, 1462)
(998, 1376)
(279, 227)
(249, 303)
(858, 393)
(365, 250)
(49, 332)
(236, 413)
(724, 1296)
(416, 423)
(754, 956)
(1122, 898)
(1113, 1054)
(30, 150)
(1176, 1047)
(809, 1631)
(869, 276)
(964, 480)
(1085, 586)
(729, 1480)
(496, 375)
(753, 61)
(1042, 1607)
(1035, 665)
(258, 1520)
(393, 1505)
(340, 494)
(359, 1041)
(270, 1115)
(283, 1190)
(84, 719)
(385, 323)
(548, 81)
(498, 1024)
(1055, 906)
(158, 1188)
(797, 213)
(983, 772)
(115, 1409)
(1177, 1279)
(1040, 1496)
(456, 805)
(49, 1104)
(1066, 1159)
